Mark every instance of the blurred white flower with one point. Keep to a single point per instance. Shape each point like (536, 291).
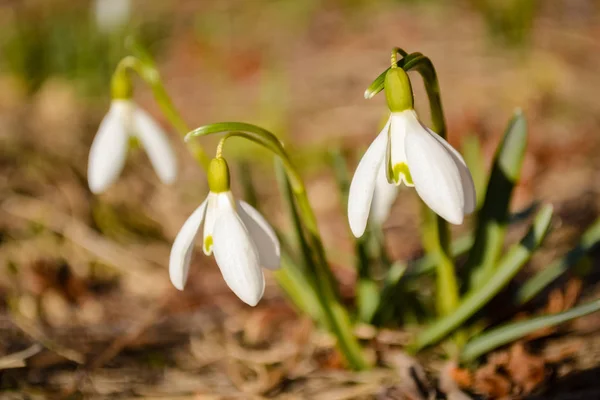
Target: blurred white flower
(241, 239)
(111, 15)
(109, 149)
(418, 157)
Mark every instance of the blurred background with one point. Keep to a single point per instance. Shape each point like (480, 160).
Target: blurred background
(86, 275)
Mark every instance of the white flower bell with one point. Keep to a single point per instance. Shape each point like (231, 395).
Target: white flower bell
(109, 148)
(239, 236)
(409, 152)
(111, 15)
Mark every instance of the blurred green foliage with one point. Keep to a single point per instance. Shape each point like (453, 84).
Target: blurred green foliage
(40, 42)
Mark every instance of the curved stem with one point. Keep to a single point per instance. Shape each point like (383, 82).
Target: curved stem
(320, 275)
(150, 75)
(436, 235)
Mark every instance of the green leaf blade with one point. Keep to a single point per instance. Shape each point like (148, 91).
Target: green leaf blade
(478, 297)
(494, 214)
(509, 332)
(542, 279)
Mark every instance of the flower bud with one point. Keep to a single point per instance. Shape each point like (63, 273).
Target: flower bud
(121, 86)
(398, 90)
(218, 175)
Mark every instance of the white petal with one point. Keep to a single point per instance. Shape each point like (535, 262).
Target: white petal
(435, 174)
(215, 202)
(262, 235)
(156, 144)
(237, 257)
(383, 198)
(465, 175)
(109, 149)
(183, 247)
(363, 183)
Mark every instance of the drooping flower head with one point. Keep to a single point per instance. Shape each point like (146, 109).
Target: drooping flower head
(240, 238)
(410, 152)
(111, 15)
(125, 120)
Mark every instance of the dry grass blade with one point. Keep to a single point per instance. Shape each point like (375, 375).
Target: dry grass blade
(32, 331)
(17, 360)
(74, 230)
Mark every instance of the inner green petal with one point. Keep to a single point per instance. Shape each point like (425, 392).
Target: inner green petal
(134, 142)
(401, 172)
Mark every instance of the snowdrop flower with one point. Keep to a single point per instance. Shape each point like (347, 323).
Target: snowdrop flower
(409, 152)
(240, 238)
(111, 15)
(108, 153)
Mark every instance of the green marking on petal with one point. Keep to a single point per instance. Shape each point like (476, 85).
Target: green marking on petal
(402, 173)
(134, 142)
(208, 244)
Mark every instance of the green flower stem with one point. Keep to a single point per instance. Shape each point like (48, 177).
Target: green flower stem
(325, 286)
(148, 72)
(436, 235)
(318, 271)
(436, 242)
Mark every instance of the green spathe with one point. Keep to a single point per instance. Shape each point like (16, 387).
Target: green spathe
(398, 90)
(121, 86)
(218, 175)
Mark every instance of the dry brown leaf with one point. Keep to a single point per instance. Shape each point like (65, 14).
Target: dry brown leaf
(572, 292)
(488, 381)
(559, 301)
(556, 302)
(264, 324)
(449, 384)
(526, 370)
(461, 376)
(410, 373)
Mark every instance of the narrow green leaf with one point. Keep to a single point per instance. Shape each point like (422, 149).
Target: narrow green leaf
(367, 294)
(542, 279)
(298, 289)
(292, 276)
(493, 217)
(341, 174)
(367, 299)
(507, 333)
(427, 263)
(245, 177)
(290, 205)
(509, 265)
(471, 150)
